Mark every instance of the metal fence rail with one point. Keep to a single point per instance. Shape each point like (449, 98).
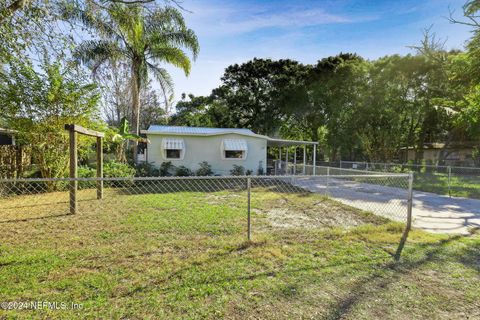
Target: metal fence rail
(448, 180)
(386, 195)
(383, 194)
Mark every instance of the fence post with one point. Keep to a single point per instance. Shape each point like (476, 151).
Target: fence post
(409, 217)
(328, 181)
(73, 171)
(449, 168)
(249, 228)
(340, 164)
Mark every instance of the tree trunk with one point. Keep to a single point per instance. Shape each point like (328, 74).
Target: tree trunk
(135, 106)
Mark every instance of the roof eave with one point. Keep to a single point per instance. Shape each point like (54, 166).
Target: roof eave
(254, 135)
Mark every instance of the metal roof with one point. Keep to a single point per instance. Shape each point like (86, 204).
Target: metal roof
(202, 131)
(196, 130)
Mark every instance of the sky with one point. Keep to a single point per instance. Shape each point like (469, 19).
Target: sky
(307, 31)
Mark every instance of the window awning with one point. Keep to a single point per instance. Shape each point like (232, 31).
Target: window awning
(172, 143)
(235, 145)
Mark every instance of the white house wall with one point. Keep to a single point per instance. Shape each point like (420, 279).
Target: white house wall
(209, 148)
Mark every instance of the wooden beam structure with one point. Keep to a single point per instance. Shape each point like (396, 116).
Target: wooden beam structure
(74, 130)
(85, 131)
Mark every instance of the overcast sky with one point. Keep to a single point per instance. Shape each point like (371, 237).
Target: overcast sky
(237, 31)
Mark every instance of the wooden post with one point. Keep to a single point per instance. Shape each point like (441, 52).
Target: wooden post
(73, 129)
(73, 171)
(99, 168)
(249, 220)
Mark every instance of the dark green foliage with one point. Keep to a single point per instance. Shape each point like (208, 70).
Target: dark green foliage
(237, 170)
(146, 169)
(112, 169)
(256, 93)
(260, 170)
(204, 170)
(182, 171)
(166, 169)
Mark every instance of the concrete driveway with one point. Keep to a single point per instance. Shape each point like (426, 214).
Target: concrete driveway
(431, 212)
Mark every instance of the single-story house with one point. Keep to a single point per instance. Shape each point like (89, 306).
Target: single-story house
(456, 153)
(220, 147)
(7, 137)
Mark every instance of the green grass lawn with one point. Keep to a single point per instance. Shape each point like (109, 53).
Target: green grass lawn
(460, 186)
(185, 256)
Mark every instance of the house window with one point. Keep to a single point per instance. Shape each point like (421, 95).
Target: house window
(172, 153)
(173, 149)
(234, 154)
(234, 149)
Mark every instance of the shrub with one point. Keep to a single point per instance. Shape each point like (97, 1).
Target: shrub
(205, 169)
(183, 171)
(146, 169)
(86, 172)
(260, 170)
(248, 172)
(237, 170)
(166, 169)
(113, 169)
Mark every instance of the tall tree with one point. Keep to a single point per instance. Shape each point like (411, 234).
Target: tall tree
(255, 92)
(143, 38)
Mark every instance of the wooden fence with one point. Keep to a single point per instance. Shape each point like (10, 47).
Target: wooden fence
(14, 160)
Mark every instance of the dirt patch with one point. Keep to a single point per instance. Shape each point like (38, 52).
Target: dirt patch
(320, 214)
(221, 198)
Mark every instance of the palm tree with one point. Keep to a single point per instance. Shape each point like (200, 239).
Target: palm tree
(144, 39)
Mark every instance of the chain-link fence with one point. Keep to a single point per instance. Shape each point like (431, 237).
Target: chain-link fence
(382, 194)
(447, 180)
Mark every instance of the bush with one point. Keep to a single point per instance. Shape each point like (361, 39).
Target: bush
(248, 172)
(183, 171)
(237, 170)
(146, 169)
(86, 172)
(166, 169)
(260, 170)
(205, 169)
(113, 169)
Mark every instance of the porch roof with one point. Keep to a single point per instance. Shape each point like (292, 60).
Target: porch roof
(274, 142)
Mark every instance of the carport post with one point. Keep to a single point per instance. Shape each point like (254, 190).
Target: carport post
(449, 180)
(328, 181)
(279, 163)
(249, 226)
(409, 217)
(314, 158)
(295, 161)
(286, 161)
(304, 158)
